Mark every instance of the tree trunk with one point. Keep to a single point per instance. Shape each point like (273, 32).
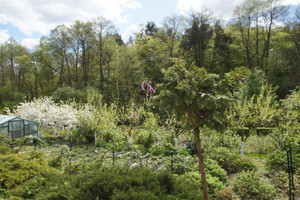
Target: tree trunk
(201, 164)
(176, 142)
(242, 148)
(54, 132)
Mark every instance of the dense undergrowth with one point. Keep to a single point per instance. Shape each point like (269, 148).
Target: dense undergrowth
(89, 172)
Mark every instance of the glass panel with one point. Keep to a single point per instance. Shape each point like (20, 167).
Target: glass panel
(31, 129)
(17, 134)
(3, 130)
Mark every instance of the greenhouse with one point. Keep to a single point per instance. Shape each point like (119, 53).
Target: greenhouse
(17, 127)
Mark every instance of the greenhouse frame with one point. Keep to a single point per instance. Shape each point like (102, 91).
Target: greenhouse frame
(17, 127)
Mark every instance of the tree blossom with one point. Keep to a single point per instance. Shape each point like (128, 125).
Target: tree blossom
(48, 114)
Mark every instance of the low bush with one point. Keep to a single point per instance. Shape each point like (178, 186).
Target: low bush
(259, 144)
(277, 161)
(244, 164)
(17, 168)
(280, 180)
(111, 183)
(165, 150)
(56, 162)
(215, 175)
(212, 168)
(147, 139)
(213, 183)
(4, 149)
(226, 194)
(224, 156)
(249, 185)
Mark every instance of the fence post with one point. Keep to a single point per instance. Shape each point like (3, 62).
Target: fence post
(113, 155)
(172, 162)
(70, 159)
(291, 175)
(34, 144)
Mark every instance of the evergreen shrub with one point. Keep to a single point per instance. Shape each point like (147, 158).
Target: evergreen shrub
(111, 183)
(17, 168)
(277, 161)
(244, 164)
(249, 185)
(224, 156)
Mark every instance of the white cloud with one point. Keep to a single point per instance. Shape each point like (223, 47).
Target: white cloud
(36, 16)
(291, 2)
(30, 43)
(220, 8)
(130, 31)
(3, 36)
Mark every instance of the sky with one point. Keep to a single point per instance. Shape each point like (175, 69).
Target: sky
(28, 20)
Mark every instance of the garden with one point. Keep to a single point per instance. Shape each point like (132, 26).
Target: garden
(95, 151)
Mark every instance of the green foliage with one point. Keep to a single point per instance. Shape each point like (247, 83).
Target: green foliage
(280, 181)
(56, 162)
(216, 176)
(5, 142)
(109, 183)
(249, 185)
(259, 144)
(97, 120)
(245, 164)
(212, 168)
(8, 145)
(224, 157)
(4, 149)
(213, 139)
(253, 84)
(287, 135)
(213, 183)
(20, 142)
(153, 55)
(68, 93)
(248, 114)
(195, 94)
(146, 139)
(226, 194)
(277, 161)
(17, 168)
(234, 79)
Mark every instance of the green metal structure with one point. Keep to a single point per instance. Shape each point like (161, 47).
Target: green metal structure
(17, 127)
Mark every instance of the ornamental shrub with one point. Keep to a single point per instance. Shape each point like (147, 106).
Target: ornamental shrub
(244, 164)
(249, 185)
(212, 168)
(111, 183)
(17, 168)
(224, 156)
(277, 161)
(226, 194)
(213, 183)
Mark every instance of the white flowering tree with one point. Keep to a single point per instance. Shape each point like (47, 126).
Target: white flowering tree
(49, 114)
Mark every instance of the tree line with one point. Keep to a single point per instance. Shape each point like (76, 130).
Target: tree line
(262, 35)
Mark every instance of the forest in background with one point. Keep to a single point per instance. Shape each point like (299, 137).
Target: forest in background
(262, 35)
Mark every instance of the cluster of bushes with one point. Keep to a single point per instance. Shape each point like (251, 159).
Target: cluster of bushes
(18, 168)
(169, 176)
(249, 185)
(230, 161)
(110, 183)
